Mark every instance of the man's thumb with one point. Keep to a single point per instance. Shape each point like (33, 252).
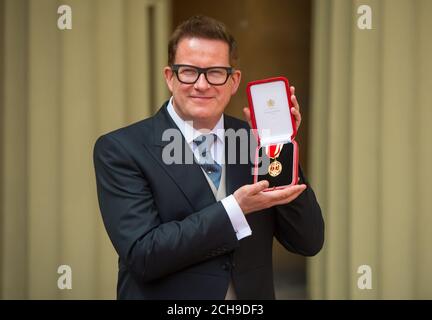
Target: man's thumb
(259, 186)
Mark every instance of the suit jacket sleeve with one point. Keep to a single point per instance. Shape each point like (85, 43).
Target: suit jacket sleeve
(150, 248)
(299, 224)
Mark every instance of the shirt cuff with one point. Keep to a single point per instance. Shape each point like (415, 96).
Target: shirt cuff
(237, 217)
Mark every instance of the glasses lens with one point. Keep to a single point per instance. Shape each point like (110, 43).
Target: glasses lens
(187, 74)
(217, 75)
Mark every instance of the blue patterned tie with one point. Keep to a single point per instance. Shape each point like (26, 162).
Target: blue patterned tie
(209, 165)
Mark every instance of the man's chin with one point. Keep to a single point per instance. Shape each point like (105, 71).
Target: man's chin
(204, 119)
(202, 116)
(203, 112)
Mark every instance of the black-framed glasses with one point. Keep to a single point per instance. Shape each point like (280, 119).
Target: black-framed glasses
(215, 76)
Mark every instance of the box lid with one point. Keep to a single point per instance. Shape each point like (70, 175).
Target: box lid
(270, 108)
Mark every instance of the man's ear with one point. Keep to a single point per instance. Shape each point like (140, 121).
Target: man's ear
(169, 78)
(236, 77)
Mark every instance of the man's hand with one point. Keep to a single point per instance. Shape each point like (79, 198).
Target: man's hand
(251, 197)
(294, 110)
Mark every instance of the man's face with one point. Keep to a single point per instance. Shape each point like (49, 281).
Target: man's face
(201, 102)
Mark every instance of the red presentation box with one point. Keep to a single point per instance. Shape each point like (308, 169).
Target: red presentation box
(276, 156)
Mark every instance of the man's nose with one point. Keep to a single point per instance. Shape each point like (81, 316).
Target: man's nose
(201, 83)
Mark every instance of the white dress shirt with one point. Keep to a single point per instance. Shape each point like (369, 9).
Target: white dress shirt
(235, 213)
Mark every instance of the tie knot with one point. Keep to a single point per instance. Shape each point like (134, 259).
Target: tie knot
(205, 139)
(204, 144)
(208, 164)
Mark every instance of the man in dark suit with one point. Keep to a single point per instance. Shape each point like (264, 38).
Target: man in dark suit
(199, 230)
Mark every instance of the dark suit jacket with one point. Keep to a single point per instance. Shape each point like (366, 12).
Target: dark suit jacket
(173, 239)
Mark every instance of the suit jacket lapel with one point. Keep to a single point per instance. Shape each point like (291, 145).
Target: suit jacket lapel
(186, 176)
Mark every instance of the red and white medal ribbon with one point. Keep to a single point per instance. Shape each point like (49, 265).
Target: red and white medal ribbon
(273, 151)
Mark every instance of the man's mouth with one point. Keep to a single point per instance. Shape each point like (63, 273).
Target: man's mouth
(200, 97)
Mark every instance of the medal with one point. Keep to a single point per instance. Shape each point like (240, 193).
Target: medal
(275, 168)
(273, 151)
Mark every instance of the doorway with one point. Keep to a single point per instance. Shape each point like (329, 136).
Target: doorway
(274, 39)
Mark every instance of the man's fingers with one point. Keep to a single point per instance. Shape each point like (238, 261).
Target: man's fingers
(258, 187)
(296, 113)
(294, 189)
(246, 113)
(286, 195)
(295, 102)
(295, 110)
(294, 99)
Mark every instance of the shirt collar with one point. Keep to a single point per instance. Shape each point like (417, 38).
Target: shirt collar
(188, 131)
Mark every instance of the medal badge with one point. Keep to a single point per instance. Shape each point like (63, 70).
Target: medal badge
(273, 151)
